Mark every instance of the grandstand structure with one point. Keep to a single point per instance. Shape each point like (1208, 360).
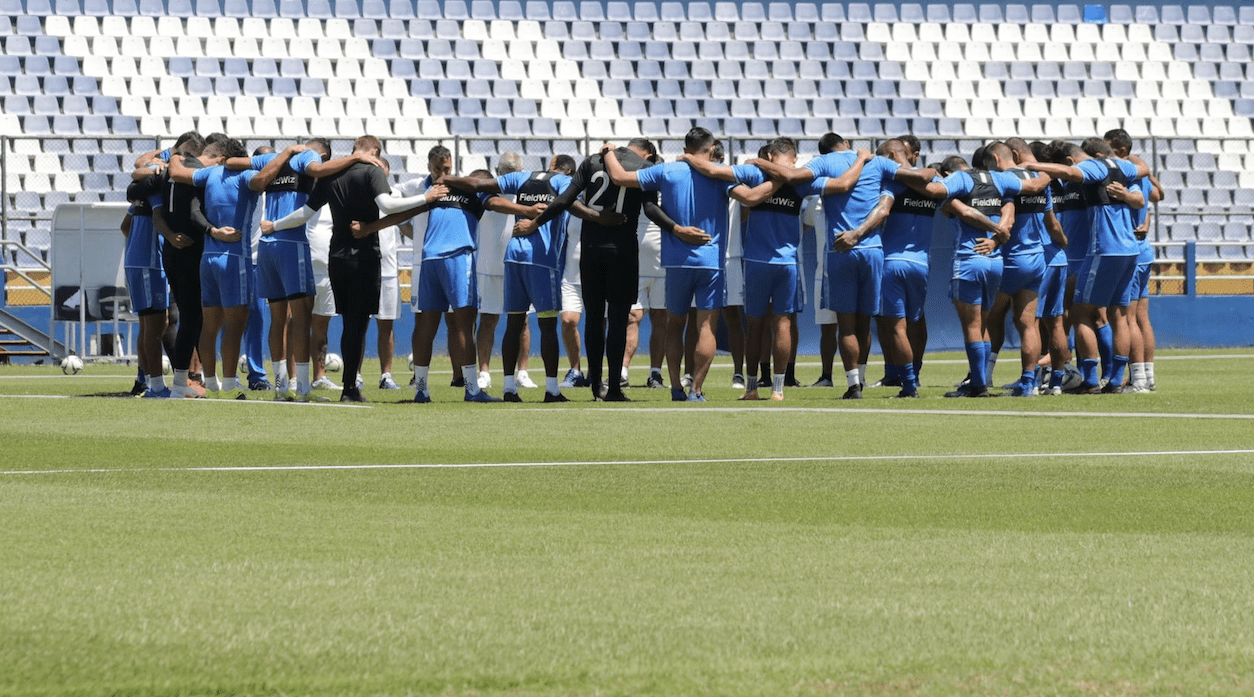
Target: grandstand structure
(86, 84)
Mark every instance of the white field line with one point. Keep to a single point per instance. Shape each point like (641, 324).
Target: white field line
(769, 409)
(337, 405)
(595, 463)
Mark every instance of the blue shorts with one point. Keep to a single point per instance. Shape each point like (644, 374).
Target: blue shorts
(975, 279)
(447, 284)
(706, 289)
(1049, 301)
(225, 280)
(854, 279)
(528, 285)
(1140, 282)
(1022, 272)
(904, 290)
(148, 289)
(284, 269)
(1106, 281)
(1073, 266)
(771, 286)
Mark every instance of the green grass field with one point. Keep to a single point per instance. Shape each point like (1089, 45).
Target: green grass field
(1058, 545)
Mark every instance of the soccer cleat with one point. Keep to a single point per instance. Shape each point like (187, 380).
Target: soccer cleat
(623, 383)
(550, 398)
(163, 393)
(695, 397)
(792, 382)
(749, 396)
(1112, 388)
(1084, 388)
(964, 382)
(908, 393)
(777, 396)
(523, 379)
(574, 378)
(260, 385)
(980, 393)
(615, 396)
(352, 395)
(887, 382)
(184, 392)
(1022, 389)
(139, 389)
(764, 381)
(738, 382)
(854, 392)
(457, 381)
(655, 382)
(324, 383)
(599, 390)
(484, 379)
(823, 382)
(1010, 385)
(1051, 391)
(510, 397)
(361, 384)
(422, 398)
(312, 398)
(678, 394)
(1137, 388)
(387, 383)
(280, 384)
(686, 381)
(480, 396)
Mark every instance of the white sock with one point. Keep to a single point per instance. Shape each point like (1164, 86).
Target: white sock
(624, 372)
(229, 384)
(420, 378)
(302, 378)
(280, 371)
(156, 384)
(851, 377)
(470, 373)
(180, 378)
(213, 384)
(1138, 374)
(511, 384)
(862, 373)
(550, 385)
(992, 365)
(777, 382)
(1149, 374)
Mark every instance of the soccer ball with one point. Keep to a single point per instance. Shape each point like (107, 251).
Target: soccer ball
(243, 363)
(334, 363)
(165, 365)
(71, 365)
(1072, 379)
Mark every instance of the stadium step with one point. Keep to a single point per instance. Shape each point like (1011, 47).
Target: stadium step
(17, 338)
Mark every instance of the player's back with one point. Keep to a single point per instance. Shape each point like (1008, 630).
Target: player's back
(1110, 221)
(229, 203)
(907, 233)
(1028, 235)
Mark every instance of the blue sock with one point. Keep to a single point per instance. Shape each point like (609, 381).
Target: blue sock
(975, 362)
(1028, 377)
(891, 372)
(985, 351)
(1088, 369)
(1118, 365)
(1105, 348)
(1056, 378)
(918, 370)
(908, 379)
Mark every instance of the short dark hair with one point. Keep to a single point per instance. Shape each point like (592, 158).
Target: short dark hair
(646, 145)
(993, 149)
(564, 163)
(718, 152)
(438, 152)
(977, 157)
(481, 174)
(764, 151)
(366, 143)
(214, 138)
(1061, 150)
(1096, 147)
(189, 143)
(782, 145)
(1018, 145)
(324, 143)
(887, 147)
(1040, 150)
(910, 141)
(233, 147)
(828, 142)
(1118, 139)
(263, 150)
(698, 139)
(951, 164)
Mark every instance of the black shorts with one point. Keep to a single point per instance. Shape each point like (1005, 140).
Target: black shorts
(355, 285)
(610, 274)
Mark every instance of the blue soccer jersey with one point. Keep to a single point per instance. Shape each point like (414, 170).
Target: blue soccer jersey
(289, 191)
(907, 233)
(546, 246)
(691, 200)
(1073, 217)
(1139, 216)
(228, 203)
(983, 191)
(772, 231)
(845, 212)
(1110, 222)
(452, 223)
(1028, 235)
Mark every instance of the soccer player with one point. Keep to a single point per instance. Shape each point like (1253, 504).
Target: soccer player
(1023, 268)
(1105, 279)
(495, 231)
(179, 219)
(1049, 304)
(976, 270)
(608, 257)
(1140, 328)
(855, 262)
(815, 220)
(318, 231)
(356, 193)
(694, 253)
(533, 267)
(650, 299)
(145, 279)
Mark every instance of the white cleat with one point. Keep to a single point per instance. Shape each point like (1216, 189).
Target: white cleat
(485, 380)
(524, 380)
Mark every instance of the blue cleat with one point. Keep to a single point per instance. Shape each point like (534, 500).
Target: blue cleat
(481, 396)
(422, 398)
(163, 393)
(678, 394)
(696, 397)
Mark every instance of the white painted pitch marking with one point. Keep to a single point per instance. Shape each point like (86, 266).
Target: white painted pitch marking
(595, 463)
(337, 405)
(767, 408)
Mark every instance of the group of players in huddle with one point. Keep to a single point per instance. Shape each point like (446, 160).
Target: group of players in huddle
(1055, 232)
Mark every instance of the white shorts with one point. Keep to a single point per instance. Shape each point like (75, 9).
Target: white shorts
(735, 282)
(572, 297)
(389, 298)
(324, 301)
(651, 294)
(822, 315)
(491, 294)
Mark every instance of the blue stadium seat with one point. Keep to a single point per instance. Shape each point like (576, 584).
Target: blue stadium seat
(1042, 14)
(1070, 14)
(65, 65)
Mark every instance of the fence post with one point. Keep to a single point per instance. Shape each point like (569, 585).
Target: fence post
(1190, 269)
